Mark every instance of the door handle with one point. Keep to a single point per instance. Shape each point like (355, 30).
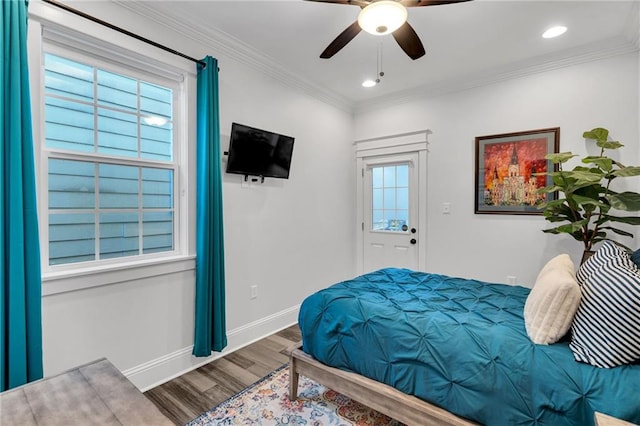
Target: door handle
(413, 241)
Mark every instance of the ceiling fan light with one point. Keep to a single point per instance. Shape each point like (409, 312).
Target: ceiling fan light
(382, 17)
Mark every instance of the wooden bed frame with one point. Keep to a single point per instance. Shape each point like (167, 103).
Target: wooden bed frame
(383, 398)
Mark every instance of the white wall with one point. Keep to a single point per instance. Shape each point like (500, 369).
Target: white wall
(491, 247)
(289, 237)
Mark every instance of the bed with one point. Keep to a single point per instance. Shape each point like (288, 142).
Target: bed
(432, 349)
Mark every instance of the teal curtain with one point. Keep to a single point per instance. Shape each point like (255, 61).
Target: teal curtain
(210, 332)
(20, 280)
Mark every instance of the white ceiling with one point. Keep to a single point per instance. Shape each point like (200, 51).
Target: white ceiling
(466, 43)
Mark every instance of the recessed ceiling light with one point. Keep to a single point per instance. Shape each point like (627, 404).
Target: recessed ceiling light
(554, 32)
(368, 83)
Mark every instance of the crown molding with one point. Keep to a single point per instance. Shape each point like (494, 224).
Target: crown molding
(228, 46)
(632, 27)
(587, 53)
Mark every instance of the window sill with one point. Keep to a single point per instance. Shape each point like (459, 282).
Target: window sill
(79, 279)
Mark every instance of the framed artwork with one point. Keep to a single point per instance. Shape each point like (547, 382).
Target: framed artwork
(506, 167)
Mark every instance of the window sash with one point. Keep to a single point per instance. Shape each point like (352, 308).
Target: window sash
(159, 162)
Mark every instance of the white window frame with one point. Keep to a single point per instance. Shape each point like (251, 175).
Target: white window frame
(78, 42)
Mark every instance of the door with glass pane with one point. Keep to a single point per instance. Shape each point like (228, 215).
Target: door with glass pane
(390, 204)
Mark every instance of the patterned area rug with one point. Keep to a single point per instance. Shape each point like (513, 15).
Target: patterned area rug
(266, 403)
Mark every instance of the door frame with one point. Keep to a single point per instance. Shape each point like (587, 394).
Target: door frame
(387, 146)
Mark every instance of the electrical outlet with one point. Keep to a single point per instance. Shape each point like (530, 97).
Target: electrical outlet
(254, 292)
(511, 279)
(446, 208)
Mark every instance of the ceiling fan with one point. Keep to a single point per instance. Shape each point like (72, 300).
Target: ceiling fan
(380, 17)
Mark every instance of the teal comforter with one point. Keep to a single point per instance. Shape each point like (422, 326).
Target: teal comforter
(460, 344)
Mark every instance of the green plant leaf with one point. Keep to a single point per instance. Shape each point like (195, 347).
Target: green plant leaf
(627, 201)
(570, 228)
(627, 171)
(556, 203)
(561, 207)
(559, 230)
(631, 220)
(570, 181)
(590, 204)
(618, 231)
(581, 176)
(619, 164)
(562, 214)
(609, 144)
(597, 134)
(560, 157)
(548, 189)
(604, 163)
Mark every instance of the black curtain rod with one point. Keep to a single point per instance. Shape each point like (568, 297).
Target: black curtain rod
(122, 30)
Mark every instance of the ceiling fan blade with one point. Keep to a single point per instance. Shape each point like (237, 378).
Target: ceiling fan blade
(341, 41)
(361, 3)
(418, 3)
(409, 41)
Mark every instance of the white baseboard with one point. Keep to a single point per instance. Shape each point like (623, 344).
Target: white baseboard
(160, 370)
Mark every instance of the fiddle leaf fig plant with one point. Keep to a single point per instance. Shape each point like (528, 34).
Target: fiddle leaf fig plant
(587, 207)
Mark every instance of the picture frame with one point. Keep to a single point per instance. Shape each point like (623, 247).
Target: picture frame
(505, 171)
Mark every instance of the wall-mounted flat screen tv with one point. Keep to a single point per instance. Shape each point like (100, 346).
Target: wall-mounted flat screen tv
(258, 152)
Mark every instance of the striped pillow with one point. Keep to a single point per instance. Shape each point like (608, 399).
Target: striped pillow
(606, 327)
(606, 252)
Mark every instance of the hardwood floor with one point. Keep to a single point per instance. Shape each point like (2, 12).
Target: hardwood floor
(186, 397)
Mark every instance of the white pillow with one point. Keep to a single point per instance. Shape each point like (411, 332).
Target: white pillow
(552, 302)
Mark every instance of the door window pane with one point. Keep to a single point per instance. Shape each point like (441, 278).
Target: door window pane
(402, 198)
(377, 177)
(403, 176)
(389, 177)
(377, 198)
(390, 198)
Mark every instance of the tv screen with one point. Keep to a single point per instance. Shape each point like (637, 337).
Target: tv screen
(258, 152)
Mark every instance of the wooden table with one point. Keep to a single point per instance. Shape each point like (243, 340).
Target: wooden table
(95, 393)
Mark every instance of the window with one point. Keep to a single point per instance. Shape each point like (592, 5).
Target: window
(110, 161)
(390, 186)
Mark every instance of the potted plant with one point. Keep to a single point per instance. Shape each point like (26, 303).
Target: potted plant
(586, 207)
